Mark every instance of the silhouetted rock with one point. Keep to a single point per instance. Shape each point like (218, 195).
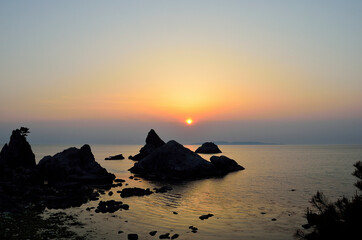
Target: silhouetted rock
(74, 165)
(175, 236)
(129, 192)
(225, 164)
(18, 153)
(153, 233)
(111, 206)
(164, 236)
(193, 229)
(132, 236)
(174, 161)
(208, 147)
(203, 217)
(153, 141)
(116, 157)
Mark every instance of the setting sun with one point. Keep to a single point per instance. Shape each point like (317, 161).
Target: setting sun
(189, 121)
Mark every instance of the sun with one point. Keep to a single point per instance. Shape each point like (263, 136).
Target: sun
(189, 121)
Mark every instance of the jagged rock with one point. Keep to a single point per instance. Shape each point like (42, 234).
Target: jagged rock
(74, 165)
(153, 141)
(208, 147)
(18, 153)
(226, 164)
(129, 192)
(173, 160)
(116, 157)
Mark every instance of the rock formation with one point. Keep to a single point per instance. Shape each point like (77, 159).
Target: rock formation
(225, 164)
(153, 141)
(18, 153)
(174, 161)
(208, 147)
(74, 165)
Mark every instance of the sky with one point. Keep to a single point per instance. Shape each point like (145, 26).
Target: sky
(108, 71)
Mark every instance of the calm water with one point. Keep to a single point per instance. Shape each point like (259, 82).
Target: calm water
(237, 200)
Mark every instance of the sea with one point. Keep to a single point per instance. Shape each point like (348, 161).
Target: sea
(267, 200)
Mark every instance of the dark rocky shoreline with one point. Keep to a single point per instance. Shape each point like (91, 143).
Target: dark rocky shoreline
(72, 178)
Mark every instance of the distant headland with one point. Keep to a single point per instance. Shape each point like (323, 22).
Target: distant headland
(239, 143)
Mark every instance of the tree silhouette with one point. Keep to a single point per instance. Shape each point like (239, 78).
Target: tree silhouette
(335, 220)
(24, 131)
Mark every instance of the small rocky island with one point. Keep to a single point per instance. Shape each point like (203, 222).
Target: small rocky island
(208, 147)
(115, 157)
(174, 161)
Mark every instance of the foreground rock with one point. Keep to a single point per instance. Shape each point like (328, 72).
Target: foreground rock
(68, 179)
(129, 192)
(17, 160)
(74, 165)
(116, 157)
(225, 164)
(153, 141)
(208, 147)
(174, 161)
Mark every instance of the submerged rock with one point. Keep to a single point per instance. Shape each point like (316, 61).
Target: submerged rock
(74, 165)
(193, 229)
(208, 147)
(165, 236)
(111, 206)
(226, 164)
(132, 236)
(203, 217)
(175, 236)
(153, 141)
(163, 189)
(116, 157)
(174, 161)
(153, 233)
(129, 192)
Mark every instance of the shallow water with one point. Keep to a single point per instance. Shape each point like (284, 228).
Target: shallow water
(278, 181)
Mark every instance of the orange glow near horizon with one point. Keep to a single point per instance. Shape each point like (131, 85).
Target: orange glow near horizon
(189, 121)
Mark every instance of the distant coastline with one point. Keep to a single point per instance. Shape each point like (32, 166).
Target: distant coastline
(239, 143)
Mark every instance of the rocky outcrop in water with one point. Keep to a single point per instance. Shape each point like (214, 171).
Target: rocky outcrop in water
(174, 161)
(208, 147)
(225, 164)
(115, 157)
(153, 141)
(74, 165)
(129, 192)
(203, 217)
